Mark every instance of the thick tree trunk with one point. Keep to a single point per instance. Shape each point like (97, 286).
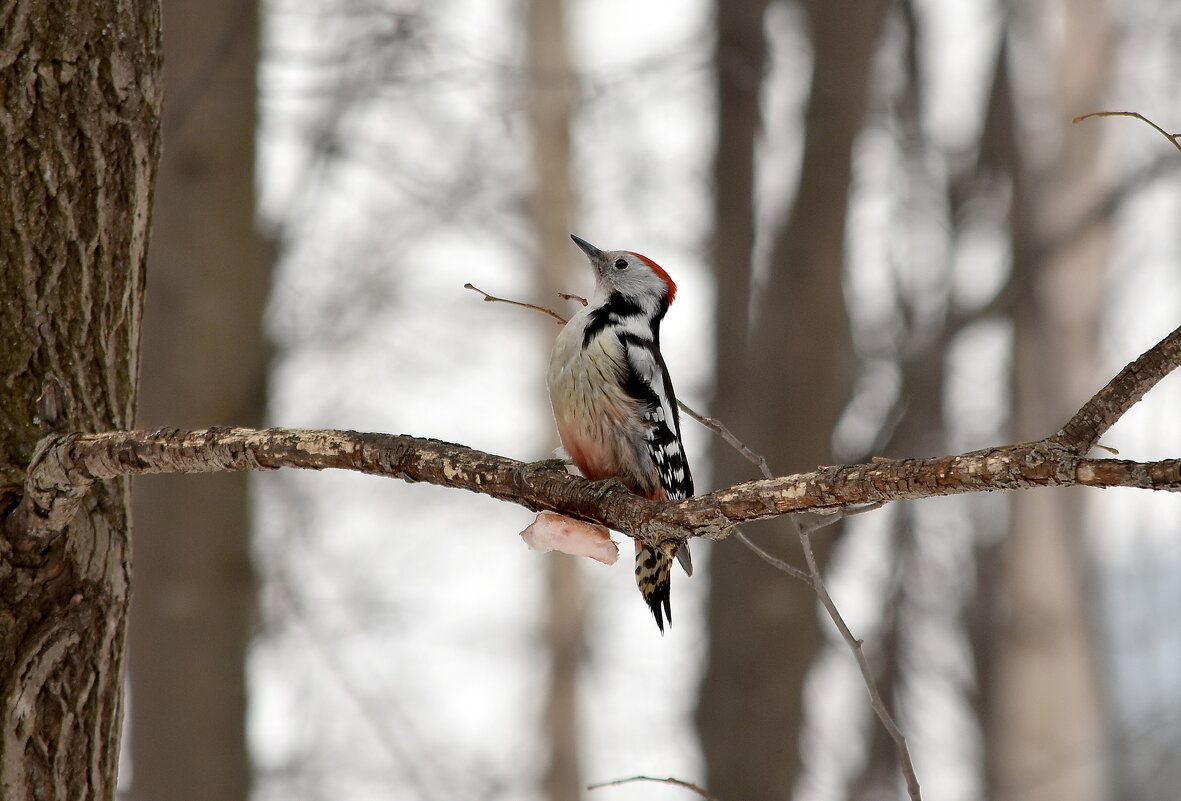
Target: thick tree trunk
(204, 362)
(79, 140)
(799, 365)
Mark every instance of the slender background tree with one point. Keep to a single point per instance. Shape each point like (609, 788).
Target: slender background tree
(551, 88)
(204, 361)
(788, 395)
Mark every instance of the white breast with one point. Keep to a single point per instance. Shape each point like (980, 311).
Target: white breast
(601, 426)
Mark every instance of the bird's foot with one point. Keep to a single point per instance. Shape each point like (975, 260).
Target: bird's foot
(524, 472)
(607, 486)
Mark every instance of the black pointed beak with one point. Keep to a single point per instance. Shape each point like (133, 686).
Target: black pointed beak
(590, 250)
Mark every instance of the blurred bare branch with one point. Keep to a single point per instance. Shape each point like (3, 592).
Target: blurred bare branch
(1174, 138)
(670, 780)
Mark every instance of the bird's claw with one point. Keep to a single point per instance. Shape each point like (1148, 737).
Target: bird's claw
(607, 486)
(525, 471)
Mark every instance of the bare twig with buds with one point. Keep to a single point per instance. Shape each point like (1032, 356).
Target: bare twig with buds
(1174, 138)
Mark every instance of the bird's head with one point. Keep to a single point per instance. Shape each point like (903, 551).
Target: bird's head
(634, 276)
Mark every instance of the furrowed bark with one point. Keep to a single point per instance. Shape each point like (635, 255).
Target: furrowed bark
(79, 140)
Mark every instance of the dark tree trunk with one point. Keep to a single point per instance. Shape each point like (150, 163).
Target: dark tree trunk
(798, 363)
(79, 140)
(204, 362)
(724, 705)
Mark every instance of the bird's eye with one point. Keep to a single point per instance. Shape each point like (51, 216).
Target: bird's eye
(621, 264)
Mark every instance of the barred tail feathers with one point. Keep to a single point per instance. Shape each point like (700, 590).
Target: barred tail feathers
(653, 577)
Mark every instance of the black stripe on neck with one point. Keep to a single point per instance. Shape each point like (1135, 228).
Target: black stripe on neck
(616, 310)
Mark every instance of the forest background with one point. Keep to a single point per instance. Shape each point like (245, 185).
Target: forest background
(890, 241)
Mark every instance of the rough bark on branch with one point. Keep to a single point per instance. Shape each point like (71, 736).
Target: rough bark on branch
(66, 465)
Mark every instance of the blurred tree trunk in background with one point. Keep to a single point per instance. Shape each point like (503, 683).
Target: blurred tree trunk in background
(796, 377)
(551, 89)
(1045, 734)
(204, 362)
(725, 701)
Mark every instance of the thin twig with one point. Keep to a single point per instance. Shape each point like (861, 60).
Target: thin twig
(676, 782)
(1175, 138)
(773, 560)
(568, 296)
(493, 299)
(825, 518)
(855, 645)
(719, 428)
(815, 579)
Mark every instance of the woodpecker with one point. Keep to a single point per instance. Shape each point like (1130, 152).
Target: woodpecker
(613, 400)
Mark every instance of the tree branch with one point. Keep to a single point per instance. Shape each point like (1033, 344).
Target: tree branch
(1123, 392)
(670, 780)
(65, 465)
